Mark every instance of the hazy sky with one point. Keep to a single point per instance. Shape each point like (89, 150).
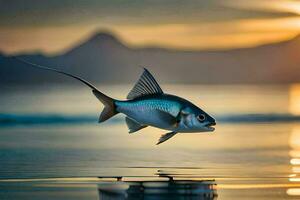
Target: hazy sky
(54, 25)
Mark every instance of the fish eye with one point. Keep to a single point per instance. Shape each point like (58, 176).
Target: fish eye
(201, 117)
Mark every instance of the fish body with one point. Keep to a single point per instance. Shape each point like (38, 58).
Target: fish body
(162, 111)
(149, 110)
(148, 105)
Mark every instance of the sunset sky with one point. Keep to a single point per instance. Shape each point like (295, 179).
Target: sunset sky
(52, 26)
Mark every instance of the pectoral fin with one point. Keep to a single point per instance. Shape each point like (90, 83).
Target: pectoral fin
(133, 125)
(165, 137)
(167, 119)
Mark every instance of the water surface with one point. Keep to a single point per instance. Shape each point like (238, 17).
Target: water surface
(51, 146)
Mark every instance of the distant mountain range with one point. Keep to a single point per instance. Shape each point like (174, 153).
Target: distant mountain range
(103, 58)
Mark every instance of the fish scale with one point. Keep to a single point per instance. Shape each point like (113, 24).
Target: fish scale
(148, 110)
(148, 104)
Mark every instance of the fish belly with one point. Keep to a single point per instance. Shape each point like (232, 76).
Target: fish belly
(147, 115)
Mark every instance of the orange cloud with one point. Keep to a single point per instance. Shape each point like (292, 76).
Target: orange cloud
(209, 35)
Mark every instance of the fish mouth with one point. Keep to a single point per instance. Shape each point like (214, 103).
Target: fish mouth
(210, 126)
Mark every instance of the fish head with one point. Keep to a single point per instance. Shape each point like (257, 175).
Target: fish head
(193, 119)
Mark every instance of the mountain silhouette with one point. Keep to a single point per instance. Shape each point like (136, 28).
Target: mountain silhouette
(100, 42)
(103, 58)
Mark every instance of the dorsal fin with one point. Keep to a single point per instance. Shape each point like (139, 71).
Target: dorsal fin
(144, 86)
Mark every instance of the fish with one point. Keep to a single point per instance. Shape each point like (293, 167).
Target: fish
(147, 105)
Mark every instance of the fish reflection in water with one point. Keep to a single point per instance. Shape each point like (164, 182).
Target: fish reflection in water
(158, 190)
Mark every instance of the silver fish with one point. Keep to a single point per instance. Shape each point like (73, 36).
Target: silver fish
(148, 105)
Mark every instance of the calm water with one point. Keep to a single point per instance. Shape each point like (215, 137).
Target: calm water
(51, 146)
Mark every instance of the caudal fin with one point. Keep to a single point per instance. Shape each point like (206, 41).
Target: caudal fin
(109, 106)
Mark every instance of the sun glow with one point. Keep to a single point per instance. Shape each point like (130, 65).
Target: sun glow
(293, 191)
(294, 99)
(206, 35)
(295, 161)
(294, 142)
(290, 6)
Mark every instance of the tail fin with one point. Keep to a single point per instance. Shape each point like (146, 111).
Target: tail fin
(109, 106)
